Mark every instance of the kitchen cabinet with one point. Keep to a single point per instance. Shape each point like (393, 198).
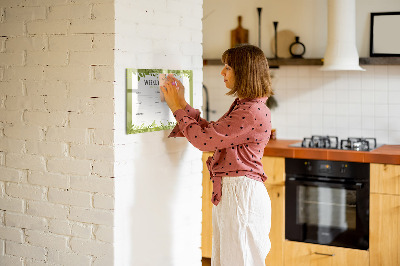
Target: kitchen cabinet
(385, 214)
(274, 168)
(385, 178)
(305, 254)
(206, 225)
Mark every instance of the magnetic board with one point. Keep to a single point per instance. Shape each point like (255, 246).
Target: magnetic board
(146, 109)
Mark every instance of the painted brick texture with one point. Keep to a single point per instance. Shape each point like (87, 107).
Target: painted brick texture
(56, 132)
(157, 180)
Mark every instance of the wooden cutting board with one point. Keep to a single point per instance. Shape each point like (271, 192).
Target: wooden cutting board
(239, 35)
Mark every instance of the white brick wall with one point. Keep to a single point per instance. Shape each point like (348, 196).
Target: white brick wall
(59, 126)
(56, 132)
(156, 178)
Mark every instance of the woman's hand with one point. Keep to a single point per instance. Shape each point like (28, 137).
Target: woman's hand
(173, 94)
(181, 91)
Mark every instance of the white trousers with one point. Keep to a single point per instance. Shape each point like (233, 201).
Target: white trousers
(241, 223)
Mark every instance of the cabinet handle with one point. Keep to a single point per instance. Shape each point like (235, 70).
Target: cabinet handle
(324, 254)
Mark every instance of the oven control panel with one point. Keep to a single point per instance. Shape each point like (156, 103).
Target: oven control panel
(337, 169)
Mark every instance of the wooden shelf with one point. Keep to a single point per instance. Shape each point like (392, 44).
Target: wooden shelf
(274, 63)
(380, 61)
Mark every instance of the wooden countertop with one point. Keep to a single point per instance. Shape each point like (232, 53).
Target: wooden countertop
(389, 154)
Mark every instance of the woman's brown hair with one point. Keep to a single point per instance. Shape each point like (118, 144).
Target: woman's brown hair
(250, 66)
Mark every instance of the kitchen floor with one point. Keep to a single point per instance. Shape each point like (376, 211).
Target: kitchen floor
(206, 261)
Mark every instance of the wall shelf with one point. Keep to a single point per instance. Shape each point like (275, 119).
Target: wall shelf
(274, 63)
(380, 61)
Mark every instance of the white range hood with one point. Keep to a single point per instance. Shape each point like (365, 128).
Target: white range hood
(341, 51)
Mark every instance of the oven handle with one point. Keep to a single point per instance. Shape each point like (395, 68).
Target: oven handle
(357, 185)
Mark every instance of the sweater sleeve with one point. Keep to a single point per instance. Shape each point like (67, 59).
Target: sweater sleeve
(231, 130)
(193, 113)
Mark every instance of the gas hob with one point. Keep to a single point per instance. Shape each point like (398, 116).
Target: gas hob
(332, 142)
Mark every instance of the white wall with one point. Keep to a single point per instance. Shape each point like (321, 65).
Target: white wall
(158, 180)
(344, 103)
(304, 18)
(56, 132)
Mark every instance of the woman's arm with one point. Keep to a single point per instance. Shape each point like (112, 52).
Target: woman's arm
(180, 98)
(239, 127)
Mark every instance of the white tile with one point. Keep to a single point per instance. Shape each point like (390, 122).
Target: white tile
(381, 84)
(367, 122)
(304, 109)
(342, 109)
(394, 123)
(382, 136)
(355, 96)
(355, 132)
(394, 83)
(317, 107)
(381, 123)
(367, 83)
(381, 97)
(329, 94)
(354, 75)
(293, 120)
(355, 109)
(316, 72)
(317, 95)
(278, 83)
(329, 109)
(303, 82)
(342, 81)
(367, 110)
(328, 74)
(367, 96)
(316, 82)
(394, 97)
(394, 110)
(291, 71)
(317, 131)
(367, 133)
(329, 122)
(292, 83)
(342, 122)
(304, 72)
(354, 83)
(317, 121)
(331, 131)
(342, 96)
(382, 110)
(394, 137)
(342, 133)
(381, 71)
(355, 122)
(394, 70)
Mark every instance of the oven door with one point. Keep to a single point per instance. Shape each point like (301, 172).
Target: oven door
(327, 213)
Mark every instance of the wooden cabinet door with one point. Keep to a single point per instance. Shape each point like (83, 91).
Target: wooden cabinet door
(385, 178)
(384, 236)
(206, 225)
(274, 168)
(277, 233)
(304, 254)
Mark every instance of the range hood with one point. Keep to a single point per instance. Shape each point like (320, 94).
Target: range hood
(341, 51)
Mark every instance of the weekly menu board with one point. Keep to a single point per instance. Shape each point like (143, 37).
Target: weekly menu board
(146, 109)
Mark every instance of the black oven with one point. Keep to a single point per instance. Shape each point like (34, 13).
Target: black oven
(327, 202)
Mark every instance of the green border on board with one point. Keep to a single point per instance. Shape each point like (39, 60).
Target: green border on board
(134, 129)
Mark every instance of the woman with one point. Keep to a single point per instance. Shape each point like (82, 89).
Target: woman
(242, 208)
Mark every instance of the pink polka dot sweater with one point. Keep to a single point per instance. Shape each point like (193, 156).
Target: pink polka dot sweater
(238, 139)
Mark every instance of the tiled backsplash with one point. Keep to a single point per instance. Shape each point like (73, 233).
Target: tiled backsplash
(313, 102)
